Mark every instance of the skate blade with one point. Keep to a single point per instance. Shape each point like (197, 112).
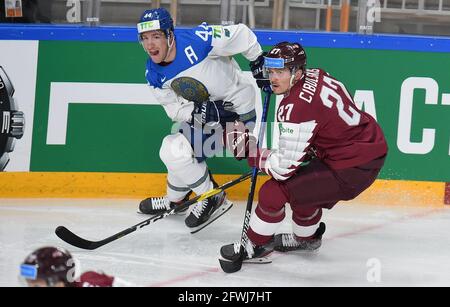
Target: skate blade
(183, 213)
(142, 213)
(218, 213)
(262, 260)
(146, 214)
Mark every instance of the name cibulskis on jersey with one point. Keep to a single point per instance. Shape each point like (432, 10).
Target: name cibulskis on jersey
(12, 121)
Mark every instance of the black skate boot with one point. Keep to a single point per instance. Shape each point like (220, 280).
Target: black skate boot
(159, 205)
(207, 211)
(286, 242)
(252, 253)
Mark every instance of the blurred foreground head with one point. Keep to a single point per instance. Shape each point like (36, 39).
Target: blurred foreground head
(48, 267)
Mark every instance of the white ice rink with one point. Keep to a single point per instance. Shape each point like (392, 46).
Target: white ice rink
(363, 246)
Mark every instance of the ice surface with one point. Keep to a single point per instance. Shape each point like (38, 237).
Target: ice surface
(363, 245)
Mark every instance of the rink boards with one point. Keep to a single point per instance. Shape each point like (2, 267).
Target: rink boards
(92, 129)
(139, 186)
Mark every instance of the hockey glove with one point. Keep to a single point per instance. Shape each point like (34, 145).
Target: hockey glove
(256, 67)
(272, 163)
(239, 141)
(215, 112)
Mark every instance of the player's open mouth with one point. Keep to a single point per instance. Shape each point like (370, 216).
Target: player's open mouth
(153, 52)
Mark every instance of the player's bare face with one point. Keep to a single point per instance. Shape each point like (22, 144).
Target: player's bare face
(155, 44)
(280, 80)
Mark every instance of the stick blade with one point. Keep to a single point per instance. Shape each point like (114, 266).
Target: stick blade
(230, 266)
(69, 237)
(234, 266)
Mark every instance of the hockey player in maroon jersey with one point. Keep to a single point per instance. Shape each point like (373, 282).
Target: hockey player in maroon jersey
(55, 267)
(328, 151)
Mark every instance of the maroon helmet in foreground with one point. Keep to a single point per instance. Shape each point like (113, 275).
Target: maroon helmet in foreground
(51, 264)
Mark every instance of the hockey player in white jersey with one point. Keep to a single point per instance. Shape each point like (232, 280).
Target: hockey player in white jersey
(196, 80)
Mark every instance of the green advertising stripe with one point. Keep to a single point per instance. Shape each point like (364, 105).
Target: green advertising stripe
(126, 138)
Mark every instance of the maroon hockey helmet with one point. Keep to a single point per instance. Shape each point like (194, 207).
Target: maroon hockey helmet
(285, 54)
(50, 264)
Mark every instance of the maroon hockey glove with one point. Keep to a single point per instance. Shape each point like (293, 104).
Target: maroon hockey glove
(239, 141)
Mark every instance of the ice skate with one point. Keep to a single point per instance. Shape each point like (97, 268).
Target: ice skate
(286, 242)
(159, 205)
(252, 253)
(207, 211)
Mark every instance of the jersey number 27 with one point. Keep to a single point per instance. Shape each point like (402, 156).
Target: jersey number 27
(329, 91)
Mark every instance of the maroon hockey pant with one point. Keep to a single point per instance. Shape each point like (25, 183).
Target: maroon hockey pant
(313, 187)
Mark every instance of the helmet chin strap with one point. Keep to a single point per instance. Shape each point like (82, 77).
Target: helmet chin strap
(169, 45)
(291, 81)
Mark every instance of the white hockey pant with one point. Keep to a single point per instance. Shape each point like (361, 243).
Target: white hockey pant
(184, 172)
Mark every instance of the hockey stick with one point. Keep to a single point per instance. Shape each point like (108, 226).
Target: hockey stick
(69, 237)
(234, 266)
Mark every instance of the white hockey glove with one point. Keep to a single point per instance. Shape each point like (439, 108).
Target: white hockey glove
(279, 168)
(293, 145)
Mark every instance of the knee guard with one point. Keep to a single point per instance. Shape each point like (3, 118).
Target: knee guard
(176, 152)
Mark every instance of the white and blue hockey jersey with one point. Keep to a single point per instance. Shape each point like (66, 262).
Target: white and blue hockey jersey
(205, 54)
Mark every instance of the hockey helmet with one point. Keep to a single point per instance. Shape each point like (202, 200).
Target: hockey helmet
(155, 19)
(286, 55)
(50, 264)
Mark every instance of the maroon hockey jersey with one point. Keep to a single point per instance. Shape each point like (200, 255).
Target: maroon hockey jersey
(320, 114)
(343, 136)
(94, 279)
